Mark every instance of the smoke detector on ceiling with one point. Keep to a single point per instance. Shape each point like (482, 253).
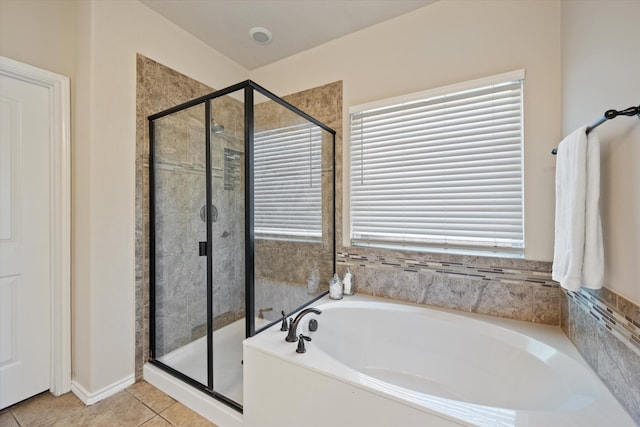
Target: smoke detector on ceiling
(261, 35)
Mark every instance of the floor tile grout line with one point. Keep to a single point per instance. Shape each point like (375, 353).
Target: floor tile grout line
(156, 413)
(167, 420)
(15, 418)
(141, 401)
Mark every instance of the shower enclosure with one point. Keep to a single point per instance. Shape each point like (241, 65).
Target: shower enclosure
(242, 228)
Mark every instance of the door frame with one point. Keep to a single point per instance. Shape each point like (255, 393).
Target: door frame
(60, 208)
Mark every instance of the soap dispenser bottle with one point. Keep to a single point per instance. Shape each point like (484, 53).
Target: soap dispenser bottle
(348, 282)
(335, 287)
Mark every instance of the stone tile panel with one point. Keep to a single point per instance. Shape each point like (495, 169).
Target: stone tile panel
(601, 326)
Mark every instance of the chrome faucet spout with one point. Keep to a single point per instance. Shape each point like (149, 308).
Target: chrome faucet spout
(292, 336)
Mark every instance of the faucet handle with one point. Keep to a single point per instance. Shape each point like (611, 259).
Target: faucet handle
(301, 341)
(284, 326)
(291, 335)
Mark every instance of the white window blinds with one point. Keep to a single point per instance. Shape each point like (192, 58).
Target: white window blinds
(287, 183)
(441, 170)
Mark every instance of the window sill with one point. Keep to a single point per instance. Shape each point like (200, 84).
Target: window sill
(288, 238)
(475, 251)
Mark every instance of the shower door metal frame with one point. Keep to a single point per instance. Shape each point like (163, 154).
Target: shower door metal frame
(249, 87)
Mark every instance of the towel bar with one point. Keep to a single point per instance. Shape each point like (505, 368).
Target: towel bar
(608, 115)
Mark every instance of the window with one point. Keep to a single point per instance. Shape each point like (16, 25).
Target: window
(287, 183)
(440, 170)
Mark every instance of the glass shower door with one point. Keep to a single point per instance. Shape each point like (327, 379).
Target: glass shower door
(179, 262)
(198, 243)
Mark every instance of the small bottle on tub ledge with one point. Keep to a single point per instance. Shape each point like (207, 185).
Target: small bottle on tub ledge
(348, 282)
(335, 287)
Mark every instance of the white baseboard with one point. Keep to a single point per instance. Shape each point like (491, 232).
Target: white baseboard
(207, 406)
(89, 398)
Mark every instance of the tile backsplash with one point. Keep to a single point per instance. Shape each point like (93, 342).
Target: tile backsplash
(510, 288)
(605, 328)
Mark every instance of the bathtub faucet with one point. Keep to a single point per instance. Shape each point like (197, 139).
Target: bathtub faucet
(292, 336)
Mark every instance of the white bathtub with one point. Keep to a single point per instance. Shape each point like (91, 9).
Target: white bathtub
(378, 363)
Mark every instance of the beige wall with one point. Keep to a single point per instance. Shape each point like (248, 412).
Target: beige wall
(447, 42)
(111, 34)
(600, 63)
(39, 33)
(95, 43)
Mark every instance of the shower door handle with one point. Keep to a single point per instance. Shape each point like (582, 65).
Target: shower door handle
(202, 248)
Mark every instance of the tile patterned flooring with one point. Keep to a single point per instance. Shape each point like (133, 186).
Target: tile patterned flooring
(139, 405)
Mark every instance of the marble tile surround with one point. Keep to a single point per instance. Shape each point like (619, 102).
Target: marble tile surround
(510, 288)
(605, 327)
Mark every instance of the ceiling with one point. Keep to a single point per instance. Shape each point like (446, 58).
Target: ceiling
(296, 25)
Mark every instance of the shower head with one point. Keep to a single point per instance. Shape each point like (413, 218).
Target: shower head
(217, 128)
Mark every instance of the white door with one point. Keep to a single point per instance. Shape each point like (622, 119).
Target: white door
(25, 233)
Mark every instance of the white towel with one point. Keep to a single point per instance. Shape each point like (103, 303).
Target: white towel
(578, 258)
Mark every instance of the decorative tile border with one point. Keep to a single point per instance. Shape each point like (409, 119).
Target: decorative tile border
(534, 273)
(618, 315)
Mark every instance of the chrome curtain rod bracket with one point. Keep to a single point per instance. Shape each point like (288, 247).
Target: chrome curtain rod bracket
(608, 115)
